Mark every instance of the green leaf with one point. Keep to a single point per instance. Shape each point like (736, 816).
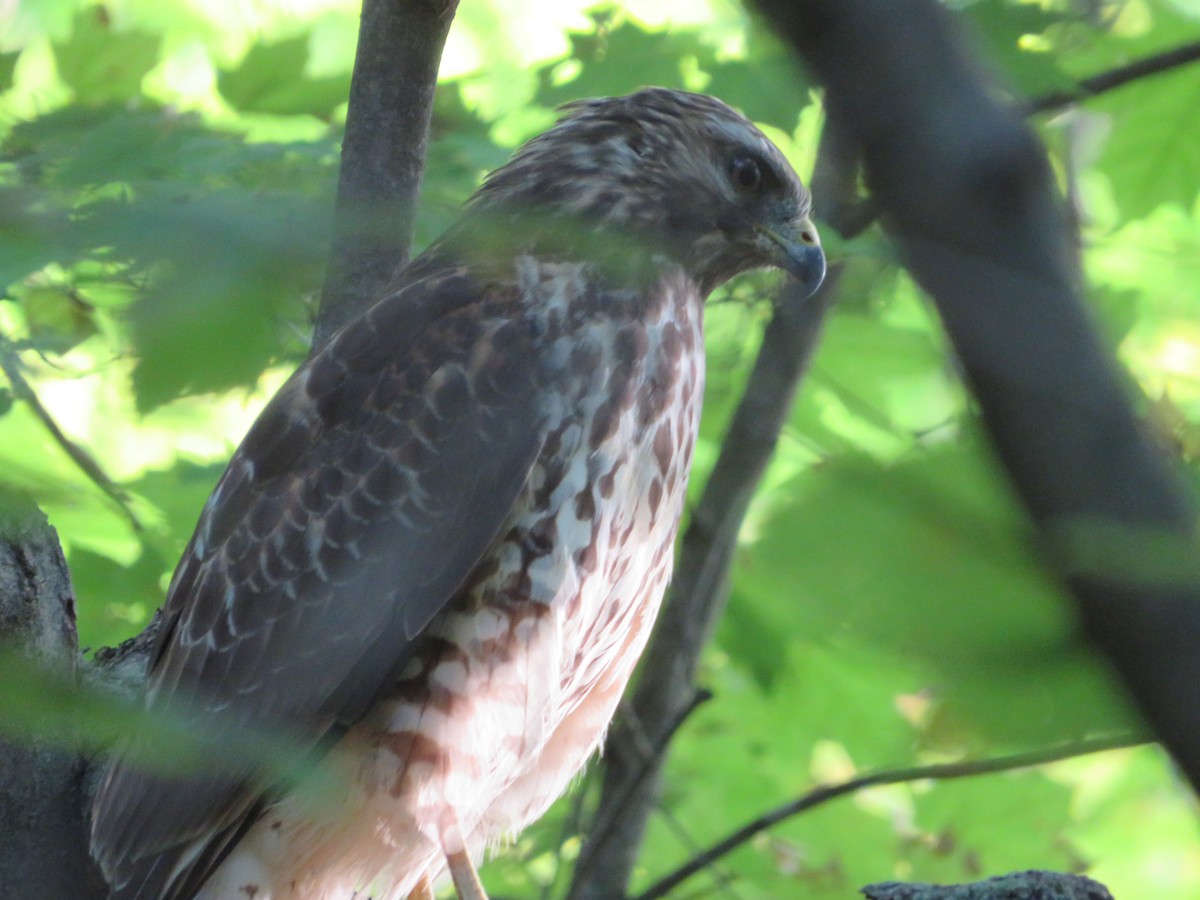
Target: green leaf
(8, 65)
(113, 599)
(930, 561)
(57, 317)
(621, 59)
(235, 267)
(102, 65)
(32, 233)
(969, 827)
(768, 85)
(1000, 25)
(272, 79)
(1153, 153)
(179, 493)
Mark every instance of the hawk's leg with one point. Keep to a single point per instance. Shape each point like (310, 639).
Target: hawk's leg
(466, 880)
(423, 890)
(458, 860)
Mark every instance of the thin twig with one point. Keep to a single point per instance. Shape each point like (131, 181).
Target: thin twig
(1104, 82)
(10, 363)
(938, 772)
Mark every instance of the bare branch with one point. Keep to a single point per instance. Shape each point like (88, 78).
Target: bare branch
(10, 364)
(821, 795)
(383, 153)
(1104, 82)
(968, 196)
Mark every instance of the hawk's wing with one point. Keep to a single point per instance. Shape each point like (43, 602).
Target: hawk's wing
(357, 505)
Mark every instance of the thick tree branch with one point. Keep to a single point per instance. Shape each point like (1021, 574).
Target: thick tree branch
(967, 194)
(383, 152)
(822, 795)
(44, 851)
(1093, 86)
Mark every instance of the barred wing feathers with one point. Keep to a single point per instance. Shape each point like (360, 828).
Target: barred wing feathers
(357, 505)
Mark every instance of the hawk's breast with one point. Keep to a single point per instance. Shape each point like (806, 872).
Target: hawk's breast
(514, 684)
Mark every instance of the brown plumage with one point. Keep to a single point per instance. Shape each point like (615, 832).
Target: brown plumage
(438, 553)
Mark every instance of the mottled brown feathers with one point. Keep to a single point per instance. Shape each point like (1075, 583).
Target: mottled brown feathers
(436, 555)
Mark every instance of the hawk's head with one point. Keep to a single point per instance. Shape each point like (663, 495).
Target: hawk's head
(659, 172)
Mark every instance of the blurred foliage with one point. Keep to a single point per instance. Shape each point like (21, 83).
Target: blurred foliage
(166, 176)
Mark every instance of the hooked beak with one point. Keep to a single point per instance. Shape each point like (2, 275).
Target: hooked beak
(796, 247)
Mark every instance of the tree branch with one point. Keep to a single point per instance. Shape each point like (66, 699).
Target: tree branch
(383, 153)
(1018, 886)
(822, 795)
(10, 364)
(968, 196)
(1104, 82)
(44, 851)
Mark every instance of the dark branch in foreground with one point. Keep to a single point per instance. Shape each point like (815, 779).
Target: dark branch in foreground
(1093, 86)
(383, 153)
(44, 851)
(940, 772)
(968, 196)
(1104, 82)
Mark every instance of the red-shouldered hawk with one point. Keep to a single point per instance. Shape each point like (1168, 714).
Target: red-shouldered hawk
(437, 555)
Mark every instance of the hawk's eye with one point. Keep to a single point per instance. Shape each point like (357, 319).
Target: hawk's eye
(746, 173)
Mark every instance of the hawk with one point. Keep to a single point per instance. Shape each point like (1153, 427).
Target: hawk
(436, 557)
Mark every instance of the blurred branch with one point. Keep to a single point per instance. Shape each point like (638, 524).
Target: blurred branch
(1017, 886)
(631, 781)
(10, 364)
(821, 795)
(44, 850)
(968, 196)
(861, 215)
(1104, 82)
(383, 153)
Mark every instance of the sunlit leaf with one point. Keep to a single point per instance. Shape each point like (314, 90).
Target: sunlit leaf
(928, 559)
(101, 64)
(1002, 26)
(272, 78)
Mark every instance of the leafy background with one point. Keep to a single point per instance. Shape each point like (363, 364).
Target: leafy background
(166, 179)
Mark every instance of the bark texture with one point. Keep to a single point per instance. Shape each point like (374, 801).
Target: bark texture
(44, 851)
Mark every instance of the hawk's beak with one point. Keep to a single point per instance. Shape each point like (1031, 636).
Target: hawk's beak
(797, 248)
